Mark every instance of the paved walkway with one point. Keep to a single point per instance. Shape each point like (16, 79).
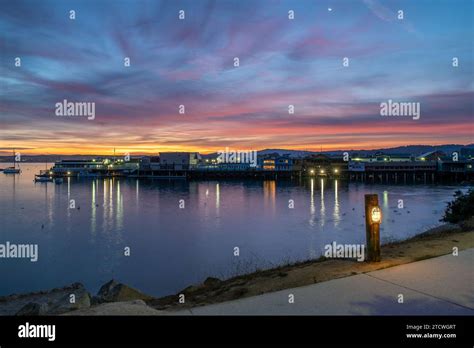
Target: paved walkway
(440, 286)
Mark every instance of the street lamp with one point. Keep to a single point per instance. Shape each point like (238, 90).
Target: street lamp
(311, 171)
(373, 218)
(376, 215)
(336, 170)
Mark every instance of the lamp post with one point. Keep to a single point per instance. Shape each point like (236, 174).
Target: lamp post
(373, 218)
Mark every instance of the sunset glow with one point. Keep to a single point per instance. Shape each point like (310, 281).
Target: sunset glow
(282, 62)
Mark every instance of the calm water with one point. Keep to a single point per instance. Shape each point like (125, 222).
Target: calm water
(172, 248)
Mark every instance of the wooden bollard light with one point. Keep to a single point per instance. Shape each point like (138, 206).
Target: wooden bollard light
(376, 215)
(373, 218)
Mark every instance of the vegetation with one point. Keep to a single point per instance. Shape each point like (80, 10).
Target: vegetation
(461, 208)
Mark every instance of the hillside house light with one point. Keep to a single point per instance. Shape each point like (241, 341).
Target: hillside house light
(322, 171)
(376, 215)
(336, 170)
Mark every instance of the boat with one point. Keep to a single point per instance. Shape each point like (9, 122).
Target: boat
(11, 170)
(14, 169)
(43, 178)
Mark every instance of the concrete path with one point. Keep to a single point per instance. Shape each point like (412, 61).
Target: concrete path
(438, 286)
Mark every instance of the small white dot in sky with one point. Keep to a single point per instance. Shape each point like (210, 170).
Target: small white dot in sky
(329, 9)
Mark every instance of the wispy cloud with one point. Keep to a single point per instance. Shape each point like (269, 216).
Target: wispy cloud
(190, 62)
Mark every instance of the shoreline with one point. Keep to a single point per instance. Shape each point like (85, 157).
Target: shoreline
(115, 298)
(432, 243)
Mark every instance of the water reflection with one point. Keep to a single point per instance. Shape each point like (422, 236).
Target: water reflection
(269, 195)
(336, 214)
(172, 250)
(119, 205)
(137, 191)
(69, 198)
(312, 207)
(94, 208)
(323, 207)
(110, 203)
(104, 205)
(385, 199)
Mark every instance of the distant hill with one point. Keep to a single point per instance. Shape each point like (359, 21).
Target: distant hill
(409, 149)
(419, 149)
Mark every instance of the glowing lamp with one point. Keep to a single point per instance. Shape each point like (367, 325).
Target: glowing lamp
(375, 215)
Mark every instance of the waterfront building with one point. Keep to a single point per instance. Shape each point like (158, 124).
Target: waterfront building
(448, 165)
(431, 156)
(324, 165)
(74, 167)
(467, 152)
(275, 162)
(429, 167)
(381, 157)
(95, 167)
(179, 160)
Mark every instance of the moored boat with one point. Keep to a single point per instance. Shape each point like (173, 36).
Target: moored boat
(11, 170)
(43, 178)
(14, 169)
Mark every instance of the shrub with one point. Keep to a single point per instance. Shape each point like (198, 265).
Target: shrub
(461, 208)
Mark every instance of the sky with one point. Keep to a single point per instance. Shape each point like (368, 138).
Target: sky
(190, 62)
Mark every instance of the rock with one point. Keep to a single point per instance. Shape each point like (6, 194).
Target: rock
(210, 281)
(95, 300)
(114, 291)
(33, 308)
(238, 293)
(136, 307)
(191, 288)
(12, 304)
(82, 299)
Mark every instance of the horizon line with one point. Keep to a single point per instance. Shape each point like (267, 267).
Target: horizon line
(5, 152)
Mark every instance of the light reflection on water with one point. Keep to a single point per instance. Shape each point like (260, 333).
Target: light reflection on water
(172, 248)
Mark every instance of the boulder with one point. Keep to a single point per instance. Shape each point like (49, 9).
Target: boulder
(33, 308)
(114, 291)
(210, 281)
(136, 307)
(12, 304)
(82, 300)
